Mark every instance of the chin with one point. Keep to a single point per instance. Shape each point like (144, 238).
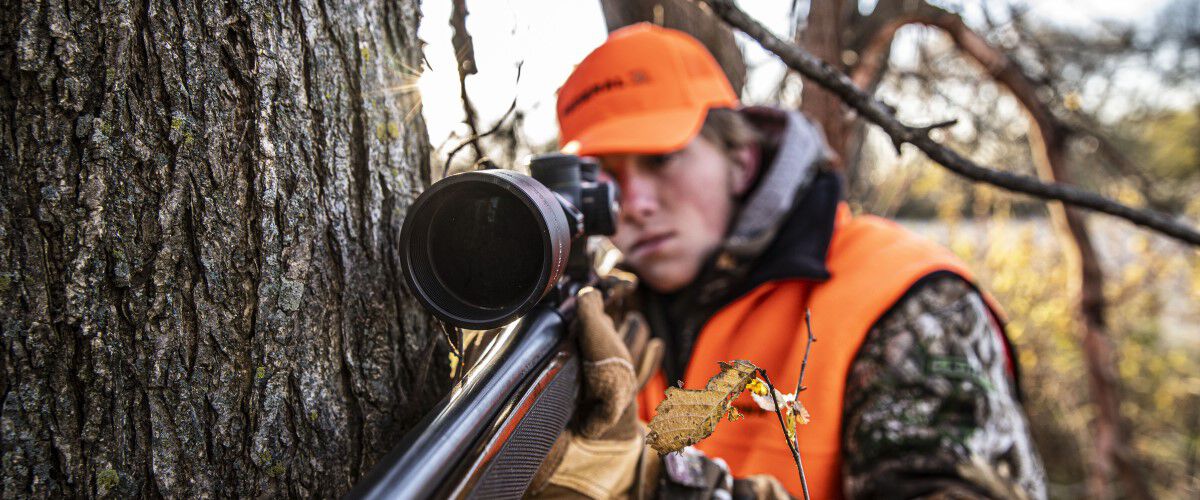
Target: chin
(667, 280)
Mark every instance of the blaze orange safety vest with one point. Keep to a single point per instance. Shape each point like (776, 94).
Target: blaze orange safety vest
(873, 262)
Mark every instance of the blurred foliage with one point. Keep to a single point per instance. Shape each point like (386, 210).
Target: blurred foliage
(1153, 286)
(1170, 144)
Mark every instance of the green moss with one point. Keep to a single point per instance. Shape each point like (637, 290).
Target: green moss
(107, 478)
(390, 130)
(177, 123)
(366, 54)
(5, 282)
(271, 467)
(259, 374)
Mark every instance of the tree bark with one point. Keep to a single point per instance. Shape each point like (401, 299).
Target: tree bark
(822, 36)
(199, 207)
(686, 16)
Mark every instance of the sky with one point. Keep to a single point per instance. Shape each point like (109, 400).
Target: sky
(550, 36)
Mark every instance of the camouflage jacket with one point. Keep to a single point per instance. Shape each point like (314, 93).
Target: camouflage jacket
(931, 404)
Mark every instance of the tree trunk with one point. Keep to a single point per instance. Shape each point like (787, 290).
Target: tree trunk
(822, 36)
(199, 207)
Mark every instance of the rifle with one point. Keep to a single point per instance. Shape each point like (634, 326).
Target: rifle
(480, 250)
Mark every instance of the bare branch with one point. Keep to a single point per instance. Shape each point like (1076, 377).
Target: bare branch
(869, 107)
(791, 444)
(925, 130)
(474, 139)
(807, 348)
(464, 52)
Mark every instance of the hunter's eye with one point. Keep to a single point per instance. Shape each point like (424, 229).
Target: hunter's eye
(659, 161)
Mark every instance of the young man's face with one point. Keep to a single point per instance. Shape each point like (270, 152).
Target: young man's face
(675, 210)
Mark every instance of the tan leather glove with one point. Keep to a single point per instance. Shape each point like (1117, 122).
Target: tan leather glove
(646, 352)
(603, 453)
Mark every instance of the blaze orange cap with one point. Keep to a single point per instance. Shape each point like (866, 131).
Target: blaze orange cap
(646, 90)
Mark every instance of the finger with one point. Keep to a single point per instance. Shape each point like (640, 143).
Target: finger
(598, 339)
(608, 373)
(619, 283)
(635, 333)
(618, 290)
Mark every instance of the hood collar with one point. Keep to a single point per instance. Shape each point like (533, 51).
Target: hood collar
(793, 197)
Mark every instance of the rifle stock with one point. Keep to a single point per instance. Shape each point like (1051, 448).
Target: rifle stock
(487, 438)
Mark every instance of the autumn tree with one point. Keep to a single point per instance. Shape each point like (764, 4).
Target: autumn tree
(200, 291)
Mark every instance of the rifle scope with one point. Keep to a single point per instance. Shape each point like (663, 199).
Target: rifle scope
(480, 249)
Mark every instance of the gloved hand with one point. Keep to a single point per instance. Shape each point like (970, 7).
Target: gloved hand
(646, 352)
(602, 455)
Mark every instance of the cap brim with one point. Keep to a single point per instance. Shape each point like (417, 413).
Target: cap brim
(645, 133)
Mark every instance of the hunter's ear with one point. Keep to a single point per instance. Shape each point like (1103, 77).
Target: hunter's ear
(745, 168)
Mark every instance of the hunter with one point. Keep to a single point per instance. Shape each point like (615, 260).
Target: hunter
(735, 225)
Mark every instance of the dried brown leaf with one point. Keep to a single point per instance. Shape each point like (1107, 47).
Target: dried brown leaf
(687, 416)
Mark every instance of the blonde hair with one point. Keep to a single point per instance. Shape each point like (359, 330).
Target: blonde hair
(729, 130)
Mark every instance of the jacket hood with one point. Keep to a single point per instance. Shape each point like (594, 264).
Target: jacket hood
(794, 196)
(799, 150)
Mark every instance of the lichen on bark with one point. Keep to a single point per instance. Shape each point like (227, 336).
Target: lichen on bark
(200, 291)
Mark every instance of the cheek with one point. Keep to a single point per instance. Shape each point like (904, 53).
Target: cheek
(695, 201)
(707, 200)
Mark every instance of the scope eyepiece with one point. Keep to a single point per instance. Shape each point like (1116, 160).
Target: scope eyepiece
(600, 208)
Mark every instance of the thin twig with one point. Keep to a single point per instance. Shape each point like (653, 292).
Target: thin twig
(923, 130)
(837, 82)
(474, 140)
(791, 444)
(807, 348)
(464, 53)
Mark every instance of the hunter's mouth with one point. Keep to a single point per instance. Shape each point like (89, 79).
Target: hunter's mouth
(650, 243)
